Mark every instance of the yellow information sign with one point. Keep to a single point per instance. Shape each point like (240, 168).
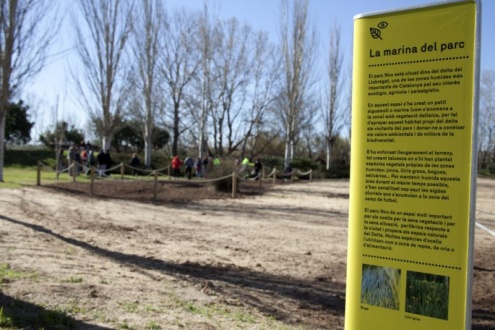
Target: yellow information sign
(412, 193)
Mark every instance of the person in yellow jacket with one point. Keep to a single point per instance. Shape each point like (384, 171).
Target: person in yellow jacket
(245, 163)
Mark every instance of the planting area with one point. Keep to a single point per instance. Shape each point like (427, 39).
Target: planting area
(194, 259)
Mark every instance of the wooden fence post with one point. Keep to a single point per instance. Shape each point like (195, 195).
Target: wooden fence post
(292, 176)
(92, 181)
(122, 168)
(38, 174)
(310, 175)
(74, 170)
(155, 184)
(234, 185)
(274, 175)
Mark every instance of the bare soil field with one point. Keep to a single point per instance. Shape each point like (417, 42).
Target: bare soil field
(194, 258)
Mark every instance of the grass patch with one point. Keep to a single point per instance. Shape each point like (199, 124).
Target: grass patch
(218, 312)
(19, 315)
(73, 280)
(5, 321)
(152, 325)
(130, 306)
(6, 274)
(191, 306)
(55, 319)
(17, 177)
(125, 326)
(15, 314)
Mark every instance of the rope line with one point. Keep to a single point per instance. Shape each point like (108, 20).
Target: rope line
(301, 173)
(485, 228)
(102, 173)
(238, 176)
(248, 179)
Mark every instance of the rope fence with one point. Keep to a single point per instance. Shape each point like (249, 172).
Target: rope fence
(93, 173)
(236, 177)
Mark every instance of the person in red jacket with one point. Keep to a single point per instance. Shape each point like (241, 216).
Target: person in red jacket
(176, 164)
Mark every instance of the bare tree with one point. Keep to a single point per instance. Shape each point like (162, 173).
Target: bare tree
(332, 113)
(203, 103)
(308, 137)
(260, 96)
(179, 65)
(25, 36)
(59, 136)
(348, 104)
(298, 42)
(147, 47)
(101, 45)
(233, 65)
(348, 114)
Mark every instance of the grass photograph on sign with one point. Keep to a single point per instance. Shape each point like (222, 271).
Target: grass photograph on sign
(380, 286)
(428, 295)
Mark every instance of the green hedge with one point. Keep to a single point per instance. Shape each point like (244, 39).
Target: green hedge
(28, 157)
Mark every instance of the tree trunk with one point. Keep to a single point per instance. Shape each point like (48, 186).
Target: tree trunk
(107, 142)
(288, 155)
(148, 145)
(2, 139)
(175, 129)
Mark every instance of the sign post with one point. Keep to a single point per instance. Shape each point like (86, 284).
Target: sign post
(413, 168)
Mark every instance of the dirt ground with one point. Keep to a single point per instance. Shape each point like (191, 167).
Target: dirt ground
(194, 258)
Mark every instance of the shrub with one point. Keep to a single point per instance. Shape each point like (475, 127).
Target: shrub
(273, 162)
(491, 168)
(336, 171)
(158, 160)
(303, 164)
(224, 170)
(29, 156)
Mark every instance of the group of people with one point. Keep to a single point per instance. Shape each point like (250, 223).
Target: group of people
(257, 167)
(199, 166)
(83, 155)
(104, 161)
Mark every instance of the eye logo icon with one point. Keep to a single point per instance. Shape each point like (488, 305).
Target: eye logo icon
(377, 33)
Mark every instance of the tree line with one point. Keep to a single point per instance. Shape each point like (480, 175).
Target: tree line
(196, 82)
(217, 85)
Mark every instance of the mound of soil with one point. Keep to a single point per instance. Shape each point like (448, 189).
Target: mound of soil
(179, 191)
